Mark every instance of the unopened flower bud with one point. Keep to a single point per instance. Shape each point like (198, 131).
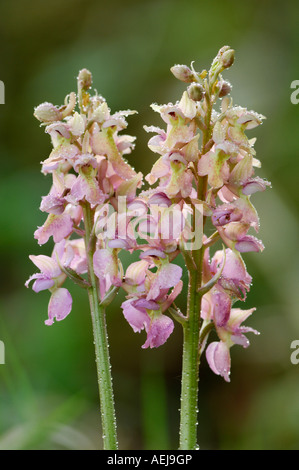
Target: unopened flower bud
(183, 73)
(84, 84)
(225, 89)
(84, 79)
(227, 58)
(223, 60)
(47, 112)
(195, 91)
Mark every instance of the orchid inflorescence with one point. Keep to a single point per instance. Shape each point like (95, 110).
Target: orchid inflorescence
(204, 175)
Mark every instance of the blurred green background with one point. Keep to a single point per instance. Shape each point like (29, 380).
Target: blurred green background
(48, 385)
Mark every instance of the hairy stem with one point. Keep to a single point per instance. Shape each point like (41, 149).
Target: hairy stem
(189, 391)
(100, 341)
(192, 325)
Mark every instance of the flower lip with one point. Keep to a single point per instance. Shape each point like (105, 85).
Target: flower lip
(152, 252)
(222, 216)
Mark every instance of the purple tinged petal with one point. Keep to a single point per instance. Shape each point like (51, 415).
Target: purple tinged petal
(226, 214)
(254, 185)
(168, 276)
(158, 332)
(222, 307)
(137, 208)
(160, 199)
(60, 305)
(42, 284)
(234, 267)
(138, 319)
(218, 358)
(148, 304)
(241, 340)
(52, 204)
(34, 276)
(172, 296)
(249, 243)
(156, 143)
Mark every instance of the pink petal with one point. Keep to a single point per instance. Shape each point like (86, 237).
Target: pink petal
(42, 284)
(234, 267)
(172, 296)
(48, 266)
(60, 305)
(249, 243)
(136, 272)
(159, 331)
(222, 307)
(58, 226)
(148, 304)
(137, 318)
(52, 204)
(160, 199)
(105, 266)
(87, 188)
(118, 243)
(225, 214)
(238, 316)
(218, 358)
(254, 185)
(103, 143)
(168, 276)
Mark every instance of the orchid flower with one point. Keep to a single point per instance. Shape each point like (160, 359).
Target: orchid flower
(204, 175)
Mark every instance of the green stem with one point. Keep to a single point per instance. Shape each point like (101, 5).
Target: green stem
(189, 391)
(100, 341)
(191, 327)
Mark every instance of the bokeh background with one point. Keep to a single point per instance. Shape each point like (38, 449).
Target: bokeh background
(48, 385)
